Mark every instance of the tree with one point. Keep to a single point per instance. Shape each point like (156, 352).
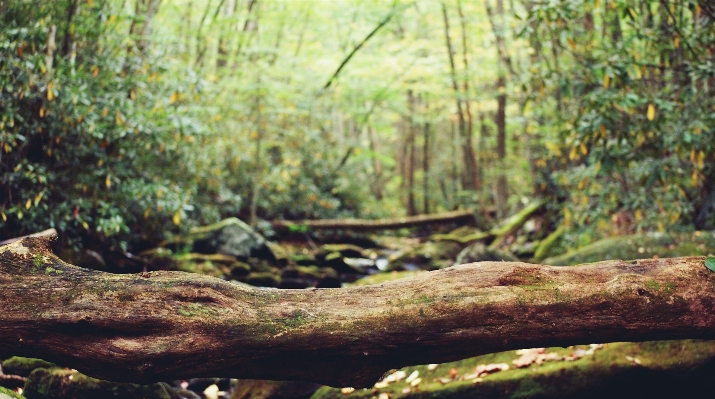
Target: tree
(164, 325)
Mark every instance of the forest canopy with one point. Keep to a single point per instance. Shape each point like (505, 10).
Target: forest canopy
(124, 122)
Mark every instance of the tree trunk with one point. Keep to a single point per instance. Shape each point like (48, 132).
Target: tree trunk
(470, 173)
(425, 167)
(410, 146)
(158, 326)
(379, 224)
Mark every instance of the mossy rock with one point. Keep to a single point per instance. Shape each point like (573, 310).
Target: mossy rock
(9, 394)
(240, 269)
(640, 246)
(23, 366)
(263, 279)
(428, 255)
(70, 384)
(481, 253)
(343, 250)
(302, 259)
(654, 370)
(228, 237)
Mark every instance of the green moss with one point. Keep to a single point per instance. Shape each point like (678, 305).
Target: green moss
(668, 369)
(23, 366)
(60, 383)
(11, 394)
(639, 246)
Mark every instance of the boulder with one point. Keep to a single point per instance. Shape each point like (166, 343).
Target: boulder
(228, 237)
(70, 384)
(640, 246)
(481, 253)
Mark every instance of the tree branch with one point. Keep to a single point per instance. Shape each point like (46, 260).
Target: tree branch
(362, 43)
(166, 325)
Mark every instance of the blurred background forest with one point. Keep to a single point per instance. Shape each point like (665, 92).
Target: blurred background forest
(124, 122)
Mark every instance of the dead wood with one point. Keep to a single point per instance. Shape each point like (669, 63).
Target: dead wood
(377, 224)
(166, 325)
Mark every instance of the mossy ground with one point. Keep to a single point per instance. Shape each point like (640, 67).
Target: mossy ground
(667, 369)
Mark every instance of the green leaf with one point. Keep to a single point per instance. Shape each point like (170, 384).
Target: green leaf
(710, 263)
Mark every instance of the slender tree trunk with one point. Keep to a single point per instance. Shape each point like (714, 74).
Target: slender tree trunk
(470, 182)
(222, 59)
(377, 165)
(468, 142)
(410, 145)
(425, 167)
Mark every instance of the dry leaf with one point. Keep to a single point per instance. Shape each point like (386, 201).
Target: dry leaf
(347, 390)
(412, 376)
(416, 382)
(432, 366)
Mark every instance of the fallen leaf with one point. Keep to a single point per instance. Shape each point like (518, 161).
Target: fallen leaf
(432, 366)
(416, 382)
(347, 390)
(412, 376)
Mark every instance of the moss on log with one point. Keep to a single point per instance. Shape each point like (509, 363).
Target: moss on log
(166, 325)
(378, 224)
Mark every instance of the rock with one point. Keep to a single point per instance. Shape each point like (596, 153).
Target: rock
(480, 253)
(228, 237)
(344, 250)
(240, 269)
(263, 279)
(640, 246)
(159, 259)
(23, 366)
(280, 253)
(91, 260)
(8, 394)
(70, 384)
(428, 255)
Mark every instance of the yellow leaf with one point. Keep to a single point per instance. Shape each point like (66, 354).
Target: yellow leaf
(571, 43)
(85, 225)
(28, 204)
(108, 181)
(19, 214)
(160, 193)
(596, 4)
(146, 213)
(567, 217)
(132, 95)
(651, 112)
(6, 147)
(597, 168)
(38, 197)
(541, 91)
(50, 91)
(694, 178)
(639, 214)
(105, 112)
(583, 148)
(177, 218)
(174, 97)
(676, 41)
(118, 118)
(254, 135)
(606, 81)
(573, 154)
(4, 218)
(701, 159)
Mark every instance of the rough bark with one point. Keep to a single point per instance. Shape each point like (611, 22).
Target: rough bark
(378, 224)
(166, 325)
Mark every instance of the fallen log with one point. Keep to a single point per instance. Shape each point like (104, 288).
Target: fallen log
(158, 326)
(376, 224)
